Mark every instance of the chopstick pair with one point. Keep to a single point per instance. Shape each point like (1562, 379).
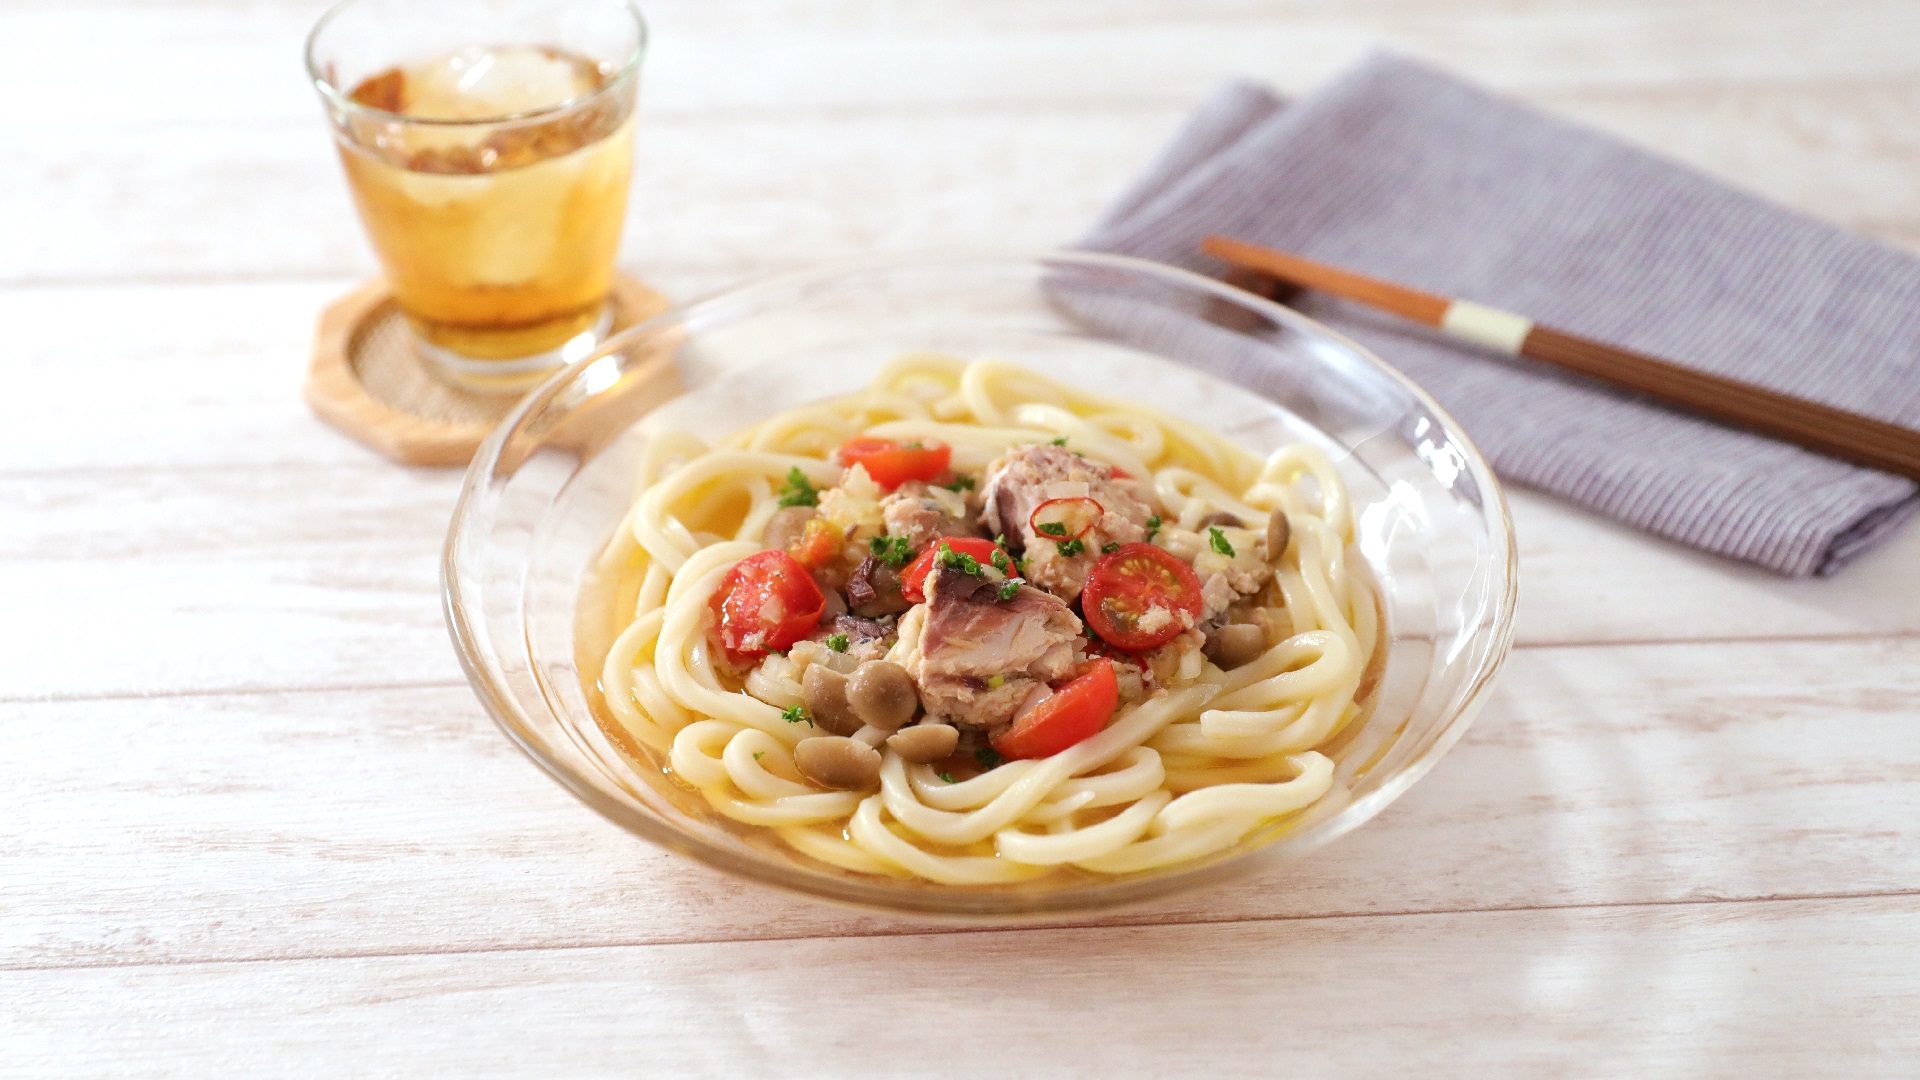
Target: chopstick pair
(1820, 428)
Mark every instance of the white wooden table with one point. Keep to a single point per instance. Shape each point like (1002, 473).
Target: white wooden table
(252, 822)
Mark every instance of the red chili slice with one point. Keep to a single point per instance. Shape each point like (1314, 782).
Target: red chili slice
(1127, 585)
(1065, 519)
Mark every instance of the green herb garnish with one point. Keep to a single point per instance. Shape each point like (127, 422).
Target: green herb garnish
(1052, 528)
(1061, 441)
(758, 754)
(1010, 589)
(795, 713)
(988, 757)
(914, 445)
(837, 642)
(1070, 548)
(944, 775)
(892, 550)
(960, 483)
(1000, 561)
(1218, 541)
(799, 492)
(1153, 526)
(1020, 564)
(958, 560)
(1109, 548)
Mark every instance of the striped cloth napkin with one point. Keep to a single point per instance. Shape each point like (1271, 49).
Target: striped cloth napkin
(1405, 173)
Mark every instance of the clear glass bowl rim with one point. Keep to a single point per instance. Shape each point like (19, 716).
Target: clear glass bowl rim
(507, 713)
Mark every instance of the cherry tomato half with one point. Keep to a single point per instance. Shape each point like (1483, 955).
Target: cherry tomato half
(766, 603)
(913, 580)
(1126, 584)
(892, 464)
(1072, 714)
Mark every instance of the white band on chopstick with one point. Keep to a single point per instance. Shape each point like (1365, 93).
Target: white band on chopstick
(1499, 330)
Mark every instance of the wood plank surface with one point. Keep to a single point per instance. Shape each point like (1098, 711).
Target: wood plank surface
(398, 820)
(1776, 989)
(759, 190)
(327, 576)
(252, 822)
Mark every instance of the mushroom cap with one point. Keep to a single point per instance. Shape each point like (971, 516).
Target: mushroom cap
(835, 761)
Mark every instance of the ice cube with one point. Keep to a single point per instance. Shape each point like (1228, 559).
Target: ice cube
(479, 81)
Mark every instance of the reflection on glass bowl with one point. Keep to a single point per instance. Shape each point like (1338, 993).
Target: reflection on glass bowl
(547, 490)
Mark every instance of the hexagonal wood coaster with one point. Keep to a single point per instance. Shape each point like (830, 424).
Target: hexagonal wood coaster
(367, 380)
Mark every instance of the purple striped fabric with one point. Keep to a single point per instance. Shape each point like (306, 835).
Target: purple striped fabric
(1405, 173)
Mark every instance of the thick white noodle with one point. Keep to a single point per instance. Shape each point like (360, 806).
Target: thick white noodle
(1188, 772)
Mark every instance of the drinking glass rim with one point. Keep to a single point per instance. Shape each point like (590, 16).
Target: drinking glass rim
(341, 101)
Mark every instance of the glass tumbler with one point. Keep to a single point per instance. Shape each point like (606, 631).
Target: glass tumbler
(489, 148)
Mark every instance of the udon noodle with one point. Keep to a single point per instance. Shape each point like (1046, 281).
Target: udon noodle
(1197, 756)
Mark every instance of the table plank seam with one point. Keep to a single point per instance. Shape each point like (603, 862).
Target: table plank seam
(236, 691)
(1681, 903)
(1547, 94)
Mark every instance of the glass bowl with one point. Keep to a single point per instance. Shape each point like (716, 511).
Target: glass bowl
(550, 485)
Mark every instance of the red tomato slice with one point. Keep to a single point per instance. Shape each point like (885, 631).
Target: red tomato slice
(1072, 714)
(1124, 586)
(913, 580)
(892, 464)
(764, 604)
(1065, 519)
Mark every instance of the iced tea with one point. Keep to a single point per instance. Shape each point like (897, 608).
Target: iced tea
(493, 183)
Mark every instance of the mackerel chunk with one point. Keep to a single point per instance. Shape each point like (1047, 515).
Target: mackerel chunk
(981, 659)
(1023, 478)
(922, 514)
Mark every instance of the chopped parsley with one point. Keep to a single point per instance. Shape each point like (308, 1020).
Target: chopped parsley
(958, 560)
(1109, 548)
(1010, 589)
(796, 713)
(758, 754)
(1052, 528)
(1153, 526)
(1218, 541)
(1070, 548)
(987, 756)
(960, 483)
(1018, 563)
(1061, 441)
(798, 491)
(892, 550)
(944, 775)
(837, 642)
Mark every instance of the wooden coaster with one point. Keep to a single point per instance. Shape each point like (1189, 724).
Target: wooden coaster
(368, 381)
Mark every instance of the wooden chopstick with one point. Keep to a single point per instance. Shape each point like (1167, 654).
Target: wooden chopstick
(1820, 428)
